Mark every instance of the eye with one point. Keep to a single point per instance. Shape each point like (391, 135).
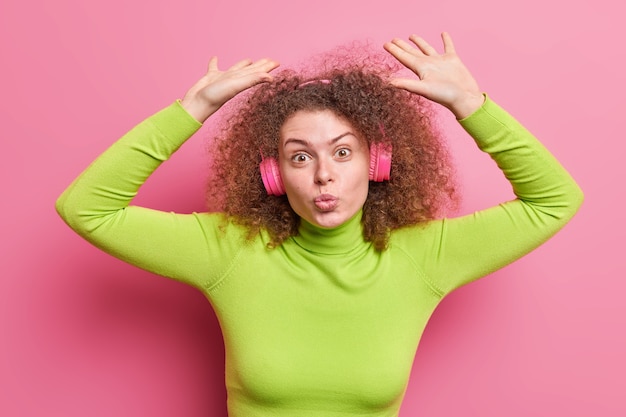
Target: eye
(343, 153)
(300, 158)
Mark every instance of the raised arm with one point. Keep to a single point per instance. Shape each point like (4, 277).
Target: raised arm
(456, 251)
(96, 204)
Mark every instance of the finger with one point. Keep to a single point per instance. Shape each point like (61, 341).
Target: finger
(410, 85)
(270, 65)
(407, 47)
(261, 66)
(241, 64)
(423, 45)
(212, 64)
(253, 79)
(264, 64)
(448, 45)
(406, 58)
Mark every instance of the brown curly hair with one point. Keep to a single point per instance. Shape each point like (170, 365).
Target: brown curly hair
(422, 177)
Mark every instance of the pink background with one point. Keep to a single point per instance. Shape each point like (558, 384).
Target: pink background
(83, 334)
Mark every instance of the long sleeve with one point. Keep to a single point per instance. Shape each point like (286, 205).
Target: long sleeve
(96, 204)
(453, 252)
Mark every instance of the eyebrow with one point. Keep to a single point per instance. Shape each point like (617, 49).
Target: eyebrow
(307, 143)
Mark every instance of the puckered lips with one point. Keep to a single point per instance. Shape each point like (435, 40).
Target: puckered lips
(326, 202)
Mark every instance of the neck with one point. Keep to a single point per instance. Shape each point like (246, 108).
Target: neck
(337, 240)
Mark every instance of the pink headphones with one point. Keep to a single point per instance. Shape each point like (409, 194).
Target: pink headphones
(380, 168)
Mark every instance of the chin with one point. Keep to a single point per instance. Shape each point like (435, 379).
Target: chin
(329, 220)
(329, 225)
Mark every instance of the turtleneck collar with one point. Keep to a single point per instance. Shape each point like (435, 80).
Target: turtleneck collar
(338, 240)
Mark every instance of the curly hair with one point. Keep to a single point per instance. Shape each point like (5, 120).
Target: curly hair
(355, 88)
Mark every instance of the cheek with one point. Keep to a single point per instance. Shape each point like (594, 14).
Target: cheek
(361, 176)
(363, 190)
(293, 181)
(358, 188)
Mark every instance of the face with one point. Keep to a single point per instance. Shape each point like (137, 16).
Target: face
(324, 165)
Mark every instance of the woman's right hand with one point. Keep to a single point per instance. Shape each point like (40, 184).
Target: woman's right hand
(216, 87)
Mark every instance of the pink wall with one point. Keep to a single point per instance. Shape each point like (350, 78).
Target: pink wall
(83, 334)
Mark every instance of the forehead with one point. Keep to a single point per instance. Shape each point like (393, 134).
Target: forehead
(315, 125)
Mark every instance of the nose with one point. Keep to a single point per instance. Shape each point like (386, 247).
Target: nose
(323, 173)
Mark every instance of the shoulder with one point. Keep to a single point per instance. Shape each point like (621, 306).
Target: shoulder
(226, 230)
(420, 235)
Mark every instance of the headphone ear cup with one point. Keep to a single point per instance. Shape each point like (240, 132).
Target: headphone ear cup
(380, 161)
(270, 174)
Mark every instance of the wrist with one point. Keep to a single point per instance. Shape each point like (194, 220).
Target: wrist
(464, 107)
(197, 108)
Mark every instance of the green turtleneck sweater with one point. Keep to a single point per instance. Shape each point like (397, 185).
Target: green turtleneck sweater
(323, 325)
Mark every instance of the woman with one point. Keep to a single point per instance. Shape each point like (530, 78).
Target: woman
(324, 286)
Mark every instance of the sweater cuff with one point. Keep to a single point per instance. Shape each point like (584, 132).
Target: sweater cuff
(487, 120)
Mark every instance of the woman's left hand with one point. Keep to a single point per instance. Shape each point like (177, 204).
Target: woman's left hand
(442, 78)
